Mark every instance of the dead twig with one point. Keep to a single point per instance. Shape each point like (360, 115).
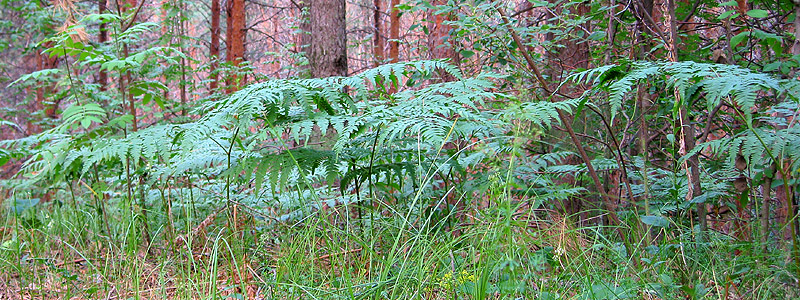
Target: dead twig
(205, 223)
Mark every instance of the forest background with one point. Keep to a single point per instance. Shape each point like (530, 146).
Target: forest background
(380, 149)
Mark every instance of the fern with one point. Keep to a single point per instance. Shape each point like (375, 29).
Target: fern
(762, 102)
(716, 81)
(262, 140)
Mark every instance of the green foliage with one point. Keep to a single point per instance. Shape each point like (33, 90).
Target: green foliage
(409, 151)
(348, 128)
(711, 84)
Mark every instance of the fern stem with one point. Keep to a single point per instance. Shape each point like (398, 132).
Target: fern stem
(766, 190)
(371, 163)
(620, 158)
(607, 203)
(228, 178)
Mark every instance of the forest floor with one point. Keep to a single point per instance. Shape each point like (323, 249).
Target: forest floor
(500, 251)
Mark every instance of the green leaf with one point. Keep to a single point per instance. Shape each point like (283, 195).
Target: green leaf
(83, 114)
(581, 104)
(597, 36)
(7, 123)
(467, 53)
(772, 66)
(36, 76)
(758, 13)
(657, 221)
(737, 39)
(780, 182)
(728, 14)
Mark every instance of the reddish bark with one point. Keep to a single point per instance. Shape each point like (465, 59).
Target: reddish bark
(569, 53)
(742, 7)
(235, 41)
(126, 80)
(377, 40)
(44, 62)
(394, 32)
(438, 39)
(213, 51)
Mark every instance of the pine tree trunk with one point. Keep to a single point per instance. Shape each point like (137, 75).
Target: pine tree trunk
(438, 44)
(304, 43)
(791, 203)
(796, 45)
(377, 39)
(235, 41)
(570, 53)
(184, 62)
(394, 32)
(328, 48)
(102, 38)
(213, 51)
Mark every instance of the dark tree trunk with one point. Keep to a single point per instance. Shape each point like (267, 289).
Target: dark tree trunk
(102, 38)
(213, 51)
(377, 40)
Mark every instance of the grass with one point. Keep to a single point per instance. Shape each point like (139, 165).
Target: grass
(500, 250)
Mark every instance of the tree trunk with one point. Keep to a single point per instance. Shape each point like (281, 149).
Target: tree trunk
(644, 13)
(128, 78)
(687, 129)
(792, 205)
(796, 45)
(377, 39)
(328, 47)
(394, 32)
(102, 38)
(438, 42)
(184, 62)
(569, 53)
(213, 51)
(439, 45)
(304, 43)
(44, 62)
(608, 204)
(235, 41)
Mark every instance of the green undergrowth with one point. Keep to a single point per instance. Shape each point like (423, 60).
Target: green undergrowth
(498, 248)
(345, 188)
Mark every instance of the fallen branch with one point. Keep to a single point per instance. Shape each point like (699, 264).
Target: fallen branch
(181, 239)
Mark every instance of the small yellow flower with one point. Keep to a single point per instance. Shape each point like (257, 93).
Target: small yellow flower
(465, 277)
(446, 280)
